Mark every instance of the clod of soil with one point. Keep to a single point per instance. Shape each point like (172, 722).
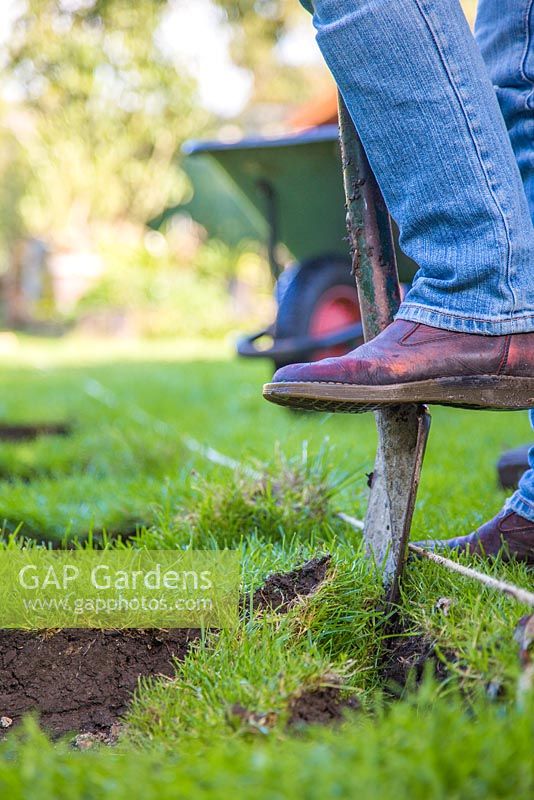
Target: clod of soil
(282, 589)
(408, 655)
(321, 706)
(85, 741)
(82, 680)
(252, 721)
(25, 433)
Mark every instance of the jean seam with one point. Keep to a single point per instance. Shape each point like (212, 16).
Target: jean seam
(520, 506)
(471, 128)
(520, 499)
(447, 313)
(524, 56)
(472, 325)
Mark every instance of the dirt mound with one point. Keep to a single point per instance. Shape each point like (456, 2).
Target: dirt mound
(82, 680)
(320, 706)
(407, 655)
(281, 589)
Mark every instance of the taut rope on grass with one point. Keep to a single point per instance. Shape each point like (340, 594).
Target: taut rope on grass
(104, 395)
(522, 595)
(216, 457)
(357, 524)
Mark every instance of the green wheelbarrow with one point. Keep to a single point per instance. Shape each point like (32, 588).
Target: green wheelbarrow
(288, 190)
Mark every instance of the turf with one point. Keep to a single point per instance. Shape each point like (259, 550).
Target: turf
(151, 425)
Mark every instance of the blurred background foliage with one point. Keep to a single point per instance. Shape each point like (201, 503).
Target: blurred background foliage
(97, 98)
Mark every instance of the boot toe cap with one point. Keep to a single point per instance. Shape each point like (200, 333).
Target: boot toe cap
(328, 370)
(290, 373)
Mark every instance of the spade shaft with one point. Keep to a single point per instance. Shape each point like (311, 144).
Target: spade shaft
(402, 430)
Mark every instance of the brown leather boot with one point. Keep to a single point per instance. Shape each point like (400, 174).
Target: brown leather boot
(508, 534)
(414, 363)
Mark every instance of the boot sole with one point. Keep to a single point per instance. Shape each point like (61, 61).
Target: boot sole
(482, 392)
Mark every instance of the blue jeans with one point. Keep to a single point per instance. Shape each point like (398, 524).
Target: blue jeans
(448, 127)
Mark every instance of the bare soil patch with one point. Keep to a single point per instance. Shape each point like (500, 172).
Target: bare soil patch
(408, 655)
(320, 706)
(82, 680)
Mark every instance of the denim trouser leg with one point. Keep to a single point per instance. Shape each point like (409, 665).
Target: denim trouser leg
(425, 108)
(505, 35)
(504, 32)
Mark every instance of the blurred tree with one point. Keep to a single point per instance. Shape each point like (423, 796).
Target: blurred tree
(14, 178)
(105, 112)
(258, 27)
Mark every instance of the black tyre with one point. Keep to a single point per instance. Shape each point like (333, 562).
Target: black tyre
(314, 298)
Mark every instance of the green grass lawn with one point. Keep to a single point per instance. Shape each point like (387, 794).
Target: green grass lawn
(150, 421)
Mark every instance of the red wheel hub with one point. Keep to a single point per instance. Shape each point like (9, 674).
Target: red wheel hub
(337, 309)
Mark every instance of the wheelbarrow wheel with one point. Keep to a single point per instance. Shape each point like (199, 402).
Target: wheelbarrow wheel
(317, 297)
